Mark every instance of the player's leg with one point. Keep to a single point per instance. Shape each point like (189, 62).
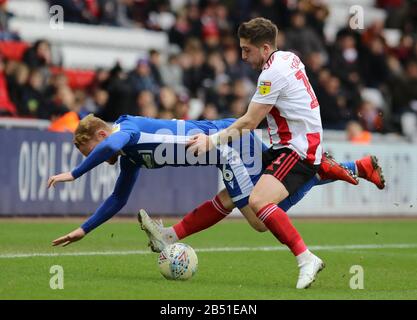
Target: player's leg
(280, 179)
(331, 170)
(200, 219)
(369, 169)
(239, 184)
(204, 216)
(366, 168)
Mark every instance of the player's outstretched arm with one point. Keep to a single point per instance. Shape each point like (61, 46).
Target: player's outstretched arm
(112, 205)
(62, 177)
(256, 112)
(73, 236)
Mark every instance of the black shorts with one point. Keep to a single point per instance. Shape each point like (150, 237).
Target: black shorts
(287, 166)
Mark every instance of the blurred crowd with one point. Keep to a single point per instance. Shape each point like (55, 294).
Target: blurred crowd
(362, 83)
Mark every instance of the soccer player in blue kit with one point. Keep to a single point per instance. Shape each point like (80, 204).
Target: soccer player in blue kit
(153, 143)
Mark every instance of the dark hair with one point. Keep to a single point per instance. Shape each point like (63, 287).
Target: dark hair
(258, 31)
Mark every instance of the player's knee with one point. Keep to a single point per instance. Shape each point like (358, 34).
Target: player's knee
(256, 202)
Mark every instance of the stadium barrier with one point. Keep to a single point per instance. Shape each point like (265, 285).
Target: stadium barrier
(399, 198)
(29, 156)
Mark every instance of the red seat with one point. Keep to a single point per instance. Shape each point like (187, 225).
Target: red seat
(5, 103)
(13, 50)
(77, 79)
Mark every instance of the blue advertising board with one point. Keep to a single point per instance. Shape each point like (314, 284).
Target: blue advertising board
(28, 157)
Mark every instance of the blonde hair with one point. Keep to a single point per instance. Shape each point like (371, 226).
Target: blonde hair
(87, 128)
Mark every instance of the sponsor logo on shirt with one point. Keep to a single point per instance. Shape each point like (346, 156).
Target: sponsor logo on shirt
(264, 87)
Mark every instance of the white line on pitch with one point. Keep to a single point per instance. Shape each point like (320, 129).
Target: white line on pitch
(219, 249)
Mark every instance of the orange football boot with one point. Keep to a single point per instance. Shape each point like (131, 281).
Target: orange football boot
(332, 170)
(369, 169)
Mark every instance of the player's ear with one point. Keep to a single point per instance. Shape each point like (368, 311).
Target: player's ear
(266, 48)
(102, 134)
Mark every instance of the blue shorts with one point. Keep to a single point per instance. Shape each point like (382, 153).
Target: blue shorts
(243, 167)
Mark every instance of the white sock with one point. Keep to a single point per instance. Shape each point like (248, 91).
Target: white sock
(169, 235)
(304, 257)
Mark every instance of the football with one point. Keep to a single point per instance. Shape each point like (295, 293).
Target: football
(178, 261)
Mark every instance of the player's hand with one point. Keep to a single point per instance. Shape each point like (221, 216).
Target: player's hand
(62, 177)
(200, 144)
(73, 236)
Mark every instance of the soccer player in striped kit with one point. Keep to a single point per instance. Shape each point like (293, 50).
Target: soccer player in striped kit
(286, 98)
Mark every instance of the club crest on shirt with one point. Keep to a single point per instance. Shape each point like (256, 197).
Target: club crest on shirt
(115, 128)
(264, 87)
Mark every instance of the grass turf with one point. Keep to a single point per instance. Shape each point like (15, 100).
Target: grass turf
(389, 273)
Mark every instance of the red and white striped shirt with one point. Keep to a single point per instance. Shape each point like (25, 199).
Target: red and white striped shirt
(294, 121)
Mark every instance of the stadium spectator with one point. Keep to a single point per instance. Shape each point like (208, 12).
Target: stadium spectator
(375, 69)
(302, 38)
(345, 60)
(404, 50)
(155, 66)
(67, 122)
(172, 73)
(314, 63)
(370, 117)
(5, 15)
(333, 105)
(404, 93)
(209, 112)
(316, 13)
(109, 12)
(121, 94)
(145, 104)
(182, 108)
(142, 79)
(160, 16)
(356, 134)
(167, 99)
(16, 82)
(199, 75)
(181, 30)
(33, 101)
(276, 11)
(57, 81)
(96, 103)
(235, 68)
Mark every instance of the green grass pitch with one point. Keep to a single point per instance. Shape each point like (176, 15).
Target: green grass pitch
(385, 249)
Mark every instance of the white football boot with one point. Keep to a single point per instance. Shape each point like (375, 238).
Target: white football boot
(154, 231)
(309, 270)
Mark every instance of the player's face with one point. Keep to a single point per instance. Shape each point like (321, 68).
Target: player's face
(88, 147)
(251, 54)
